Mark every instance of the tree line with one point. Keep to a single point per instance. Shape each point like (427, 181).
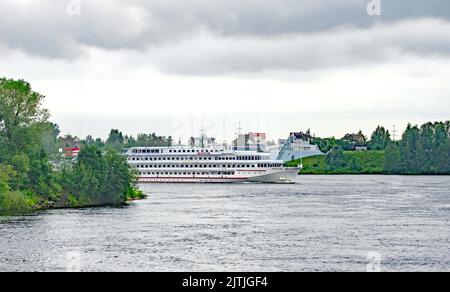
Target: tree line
(423, 150)
(116, 141)
(28, 144)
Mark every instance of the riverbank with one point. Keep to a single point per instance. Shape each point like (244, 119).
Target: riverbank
(349, 162)
(373, 162)
(134, 195)
(40, 170)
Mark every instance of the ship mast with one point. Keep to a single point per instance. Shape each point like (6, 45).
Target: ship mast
(202, 136)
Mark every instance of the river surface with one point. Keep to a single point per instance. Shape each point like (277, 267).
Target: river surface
(322, 223)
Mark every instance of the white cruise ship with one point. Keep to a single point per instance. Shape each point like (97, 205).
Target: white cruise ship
(182, 164)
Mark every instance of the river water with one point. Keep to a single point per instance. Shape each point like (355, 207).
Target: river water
(322, 223)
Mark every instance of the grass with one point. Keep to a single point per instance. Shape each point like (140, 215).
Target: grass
(355, 162)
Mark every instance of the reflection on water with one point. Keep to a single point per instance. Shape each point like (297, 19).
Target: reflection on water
(343, 223)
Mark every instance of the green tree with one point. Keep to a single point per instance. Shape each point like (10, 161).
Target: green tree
(423, 150)
(24, 130)
(115, 139)
(392, 159)
(20, 106)
(27, 144)
(10, 200)
(99, 177)
(335, 158)
(380, 139)
(6, 172)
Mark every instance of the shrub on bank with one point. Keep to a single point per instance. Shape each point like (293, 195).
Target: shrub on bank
(13, 201)
(135, 194)
(343, 162)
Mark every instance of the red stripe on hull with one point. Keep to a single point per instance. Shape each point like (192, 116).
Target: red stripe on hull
(193, 178)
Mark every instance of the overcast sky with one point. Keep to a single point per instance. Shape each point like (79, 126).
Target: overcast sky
(169, 66)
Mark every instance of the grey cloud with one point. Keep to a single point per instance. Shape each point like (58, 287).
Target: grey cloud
(219, 36)
(209, 54)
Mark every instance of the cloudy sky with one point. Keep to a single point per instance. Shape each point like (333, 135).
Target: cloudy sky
(171, 66)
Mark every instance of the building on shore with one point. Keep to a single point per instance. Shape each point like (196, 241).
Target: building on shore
(358, 142)
(298, 145)
(251, 142)
(71, 152)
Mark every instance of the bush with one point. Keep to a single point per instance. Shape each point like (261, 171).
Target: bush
(99, 178)
(135, 194)
(13, 201)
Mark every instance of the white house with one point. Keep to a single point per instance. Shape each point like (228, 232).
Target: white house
(297, 146)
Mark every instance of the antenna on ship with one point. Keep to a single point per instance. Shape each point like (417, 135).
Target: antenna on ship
(237, 134)
(202, 136)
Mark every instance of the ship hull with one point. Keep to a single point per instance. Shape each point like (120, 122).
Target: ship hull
(272, 176)
(286, 175)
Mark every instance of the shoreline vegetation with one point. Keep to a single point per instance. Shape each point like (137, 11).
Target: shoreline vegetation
(35, 175)
(423, 150)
